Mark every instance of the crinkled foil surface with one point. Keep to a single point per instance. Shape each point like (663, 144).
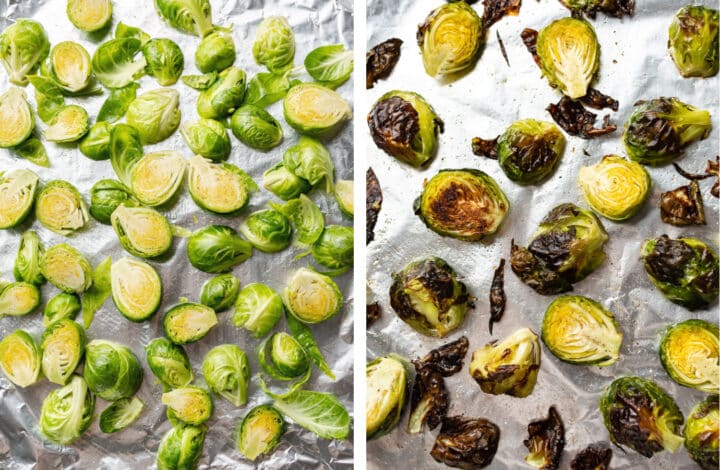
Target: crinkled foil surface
(634, 65)
(315, 23)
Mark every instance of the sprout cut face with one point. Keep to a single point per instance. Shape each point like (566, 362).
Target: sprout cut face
(120, 414)
(67, 412)
(18, 299)
(61, 208)
(70, 66)
(157, 176)
(267, 230)
(155, 114)
(70, 124)
(188, 322)
(191, 405)
(16, 116)
(20, 358)
(227, 373)
(274, 45)
(111, 370)
(693, 41)
(63, 346)
(67, 269)
(690, 352)
(312, 297)
(386, 385)
(221, 188)
(143, 232)
(257, 309)
(217, 248)
(136, 289)
(169, 362)
(260, 431)
(315, 110)
(24, 46)
(256, 128)
(17, 194)
(89, 15)
(702, 433)
(344, 191)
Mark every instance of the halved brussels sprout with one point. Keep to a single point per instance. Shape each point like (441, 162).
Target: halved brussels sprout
(451, 39)
(70, 66)
(257, 309)
(61, 306)
(27, 262)
(545, 442)
(220, 292)
(227, 373)
(96, 143)
(267, 230)
(182, 446)
(466, 204)
(19, 298)
(312, 297)
(67, 269)
(106, 196)
(222, 188)
(256, 128)
(188, 322)
(114, 63)
(157, 176)
(17, 194)
(120, 414)
(17, 118)
(136, 289)
(693, 41)
(155, 114)
(274, 45)
(63, 346)
(24, 45)
(60, 208)
(386, 384)
(260, 431)
(112, 371)
(191, 405)
(89, 15)
(307, 218)
(165, 60)
(580, 331)
(216, 52)
(466, 442)
(190, 16)
(126, 150)
(344, 194)
(334, 248)
(315, 110)
(143, 232)
(217, 248)
(702, 433)
(169, 362)
(67, 412)
(282, 357)
(208, 138)
(70, 124)
(569, 55)
(20, 358)
(284, 183)
(224, 96)
(614, 187)
(310, 160)
(689, 352)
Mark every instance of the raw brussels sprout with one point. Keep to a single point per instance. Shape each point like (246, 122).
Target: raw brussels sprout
(116, 105)
(344, 193)
(143, 232)
(219, 187)
(260, 431)
(191, 405)
(61, 306)
(266, 88)
(386, 384)
(267, 230)
(182, 446)
(693, 41)
(508, 367)
(106, 196)
(89, 15)
(428, 297)
(18, 299)
(60, 208)
(188, 322)
(580, 331)
(200, 82)
(96, 143)
(17, 194)
(70, 66)
(311, 161)
(685, 270)
(334, 248)
(120, 414)
(466, 204)
(274, 45)
(639, 414)
(312, 297)
(220, 292)
(257, 309)
(112, 371)
(319, 413)
(614, 187)
(545, 442)
(70, 124)
(256, 128)
(224, 96)
(466, 442)
(48, 97)
(331, 65)
(20, 358)
(282, 357)
(315, 110)
(63, 346)
(27, 262)
(689, 352)
(284, 183)
(157, 176)
(155, 114)
(67, 269)
(702, 433)
(189, 16)
(569, 55)
(24, 45)
(216, 52)
(660, 129)
(114, 63)
(125, 151)
(165, 60)
(17, 118)
(217, 248)
(67, 412)
(451, 39)
(208, 138)
(227, 373)
(136, 289)
(169, 362)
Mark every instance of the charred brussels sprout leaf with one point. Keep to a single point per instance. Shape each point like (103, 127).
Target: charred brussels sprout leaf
(578, 121)
(702, 433)
(373, 312)
(169, 363)
(70, 124)
(24, 45)
(20, 358)
(614, 8)
(143, 232)
(96, 144)
(381, 60)
(111, 370)
(217, 248)
(106, 196)
(155, 114)
(689, 352)
(334, 248)
(67, 412)
(260, 431)
(274, 45)
(256, 128)
(311, 161)
(221, 188)
(165, 60)
(224, 96)
(614, 187)
(189, 16)
(191, 405)
(208, 138)
(114, 62)
(188, 322)
(284, 183)
(27, 261)
(227, 373)
(282, 357)
(220, 292)
(466, 442)
(312, 297)
(315, 110)
(17, 194)
(67, 269)
(683, 206)
(257, 309)
(216, 52)
(497, 295)
(593, 457)
(70, 66)
(120, 414)
(386, 379)
(693, 41)
(181, 447)
(267, 230)
(19, 298)
(61, 306)
(89, 15)
(63, 346)
(136, 289)
(157, 176)
(546, 440)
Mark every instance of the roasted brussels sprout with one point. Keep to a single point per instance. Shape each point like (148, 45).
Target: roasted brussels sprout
(614, 8)
(216, 52)
(685, 270)
(208, 138)
(111, 370)
(315, 110)
(386, 385)
(20, 358)
(143, 232)
(641, 415)
(191, 405)
(381, 60)
(546, 440)
(169, 362)
(257, 309)
(227, 373)
(67, 412)
(182, 446)
(689, 352)
(157, 176)
(466, 442)
(96, 143)
(217, 248)
(702, 433)
(220, 292)
(593, 457)
(136, 289)
(89, 15)
(219, 187)
(17, 194)
(67, 269)
(18, 298)
(63, 346)
(17, 117)
(165, 60)
(334, 248)
(256, 128)
(70, 66)
(307, 218)
(683, 206)
(61, 306)
(155, 114)
(311, 161)
(274, 45)
(24, 45)
(224, 96)
(60, 208)
(106, 196)
(188, 322)
(114, 62)
(120, 414)
(693, 41)
(70, 124)
(284, 183)
(189, 16)
(344, 194)
(27, 261)
(260, 431)
(312, 297)
(282, 357)
(267, 230)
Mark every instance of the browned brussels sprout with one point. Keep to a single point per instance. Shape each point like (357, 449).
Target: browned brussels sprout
(689, 352)
(702, 433)
(615, 8)
(546, 440)
(683, 206)
(593, 457)
(578, 121)
(693, 41)
(380, 61)
(497, 295)
(466, 443)
(373, 204)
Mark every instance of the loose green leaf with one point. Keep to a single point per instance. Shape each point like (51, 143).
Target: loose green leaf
(125, 151)
(200, 82)
(33, 151)
(320, 413)
(294, 388)
(98, 293)
(307, 218)
(303, 334)
(266, 88)
(114, 62)
(116, 105)
(331, 65)
(125, 31)
(48, 96)
(120, 414)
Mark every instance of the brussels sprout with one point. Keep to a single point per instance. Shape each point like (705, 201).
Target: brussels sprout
(24, 45)
(466, 204)
(208, 138)
(334, 248)
(96, 143)
(466, 443)
(27, 262)
(20, 358)
(315, 110)
(282, 357)
(256, 128)
(693, 41)
(216, 52)
(169, 362)
(260, 431)
(61, 306)
(106, 196)
(17, 194)
(312, 297)
(67, 269)
(63, 346)
(143, 232)
(689, 352)
(344, 193)
(120, 414)
(125, 151)
(702, 433)
(155, 114)
(331, 65)
(17, 118)
(191, 405)
(70, 124)
(224, 96)
(165, 60)
(683, 206)
(61, 208)
(220, 292)
(221, 188)
(451, 39)
(304, 335)
(283, 183)
(274, 45)
(136, 289)
(307, 218)
(639, 414)
(189, 16)
(19, 298)
(545, 442)
(217, 248)
(660, 129)
(386, 384)
(188, 322)
(111, 370)
(266, 88)
(311, 161)
(267, 230)
(116, 105)
(580, 331)
(227, 373)
(257, 309)
(89, 15)
(684, 269)
(114, 63)
(67, 412)
(70, 66)
(157, 176)
(182, 446)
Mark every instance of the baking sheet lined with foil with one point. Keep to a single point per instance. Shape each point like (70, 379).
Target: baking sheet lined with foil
(635, 65)
(315, 23)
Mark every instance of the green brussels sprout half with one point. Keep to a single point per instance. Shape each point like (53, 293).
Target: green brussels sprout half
(181, 447)
(315, 110)
(70, 124)
(702, 433)
(693, 41)
(61, 306)
(165, 60)
(227, 373)
(257, 309)
(224, 96)
(311, 161)
(188, 322)
(639, 414)
(114, 63)
(18, 299)
(27, 262)
(169, 362)
(312, 297)
(208, 138)
(217, 248)
(20, 358)
(67, 269)
(143, 232)
(189, 16)
(96, 143)
(307, 218)
(260, 432)
(466, 204)
(17, 118)
(580, 331)
(282, 357)
(220, 292)
(24, 45)
(451, 39)
(331, 65)
(689, 352)
(89, 15)
(157, 176)
(215, 53)
(191, 405)
(155, 114)
(106, 196)
(125, 151)
(222, 188)
(63, 346)
(120, 414)
(136, 289)
(67, 412)
(116, 105)
(274, 45)
(60, 208)
(284, 183)
(256, 128)
(344, 193)
(267, 230)
(685, 270)
(112, 371)
(70, 66)
(334, 248)
(17, 194)
(659, 130)
(386, 384)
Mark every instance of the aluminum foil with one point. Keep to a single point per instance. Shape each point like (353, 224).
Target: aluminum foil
(634, 65)
(315, 23)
